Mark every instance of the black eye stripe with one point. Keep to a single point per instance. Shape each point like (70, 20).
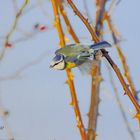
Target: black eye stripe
(56, 64)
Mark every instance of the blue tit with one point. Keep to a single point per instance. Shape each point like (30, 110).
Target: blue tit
(75, 55)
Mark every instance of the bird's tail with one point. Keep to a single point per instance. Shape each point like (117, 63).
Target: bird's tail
(100, 45)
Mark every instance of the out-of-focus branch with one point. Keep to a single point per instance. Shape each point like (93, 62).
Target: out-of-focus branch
(123, 83)
(96, 78)
(15, 5)
(131, 133)
(85, 21)
(121, 55)
(86, 10)
(69, 27)
(7, 40)
(4, 114)
(40, 4)
(94, 102)
(37, 29)
(100, 4)
(18, 72)
(69, 74)
(109, 59)
(16, 21)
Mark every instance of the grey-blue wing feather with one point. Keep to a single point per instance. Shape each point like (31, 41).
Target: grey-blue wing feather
(100, 45)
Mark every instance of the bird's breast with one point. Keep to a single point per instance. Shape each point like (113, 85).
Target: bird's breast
(70, 65)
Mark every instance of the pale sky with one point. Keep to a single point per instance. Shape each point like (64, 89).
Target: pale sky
(38, 99)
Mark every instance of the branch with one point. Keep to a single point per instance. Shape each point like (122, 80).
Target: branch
(19, 71)
(67, 22)
(16, 21)
(4, 114)
(108, 58)
(96, 78)
(85, 21)
(120, 104)
(69, 74)
(121, 55)
(94, 102)
(7, 41)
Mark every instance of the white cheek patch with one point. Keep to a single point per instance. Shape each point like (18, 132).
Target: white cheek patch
(52, 64)
(60, 66)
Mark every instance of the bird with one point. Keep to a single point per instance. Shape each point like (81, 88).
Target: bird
(77, 55)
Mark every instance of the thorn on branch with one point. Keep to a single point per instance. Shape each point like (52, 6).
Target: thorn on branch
(124, 93)
(99, 100)
(137, 116)
(71, 103)
(18, 14)
(98, 114)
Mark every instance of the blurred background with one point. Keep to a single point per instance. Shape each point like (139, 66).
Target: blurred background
(34, 99)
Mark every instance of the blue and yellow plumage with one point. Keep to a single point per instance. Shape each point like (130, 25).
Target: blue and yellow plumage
(75, 55)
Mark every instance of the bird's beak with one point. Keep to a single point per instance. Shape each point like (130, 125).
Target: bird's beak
(52, 64)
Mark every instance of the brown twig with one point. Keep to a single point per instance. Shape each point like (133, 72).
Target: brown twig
(121, 55)
(69, 27)
(94, 103)
(86, 10)
(16, 20)
(7, 40)
(4, 114)
(109, 59)
(96, 78)
(69, 74)
(85, 21)
(120, 104)
(100, 4)
(20, 70)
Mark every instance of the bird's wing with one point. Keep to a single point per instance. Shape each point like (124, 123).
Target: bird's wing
(71, 50)
(87, 67)
(100, 45)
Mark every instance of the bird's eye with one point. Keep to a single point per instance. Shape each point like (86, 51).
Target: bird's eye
(83, 51)
(58, 58)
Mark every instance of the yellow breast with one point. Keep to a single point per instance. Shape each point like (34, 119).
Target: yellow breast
(70, 65)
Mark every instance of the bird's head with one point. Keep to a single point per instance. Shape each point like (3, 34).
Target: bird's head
(58, 62)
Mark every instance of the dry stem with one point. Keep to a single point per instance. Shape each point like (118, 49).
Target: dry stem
(67, 22)
(7, 41)
(69, 74)
(96, 79)
(121, 55)
(85, 21)
(16, 20)
(111, 62)
(120, 105)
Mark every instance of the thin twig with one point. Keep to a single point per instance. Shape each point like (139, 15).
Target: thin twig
(69, 74)
(16, 21)
(69, 27)
(131, 133)
(85, 21)
(109, 59)
(87, 10)
(19, 71)
(4, 114)
(96, 78)
(7, 40)
(121, 56)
